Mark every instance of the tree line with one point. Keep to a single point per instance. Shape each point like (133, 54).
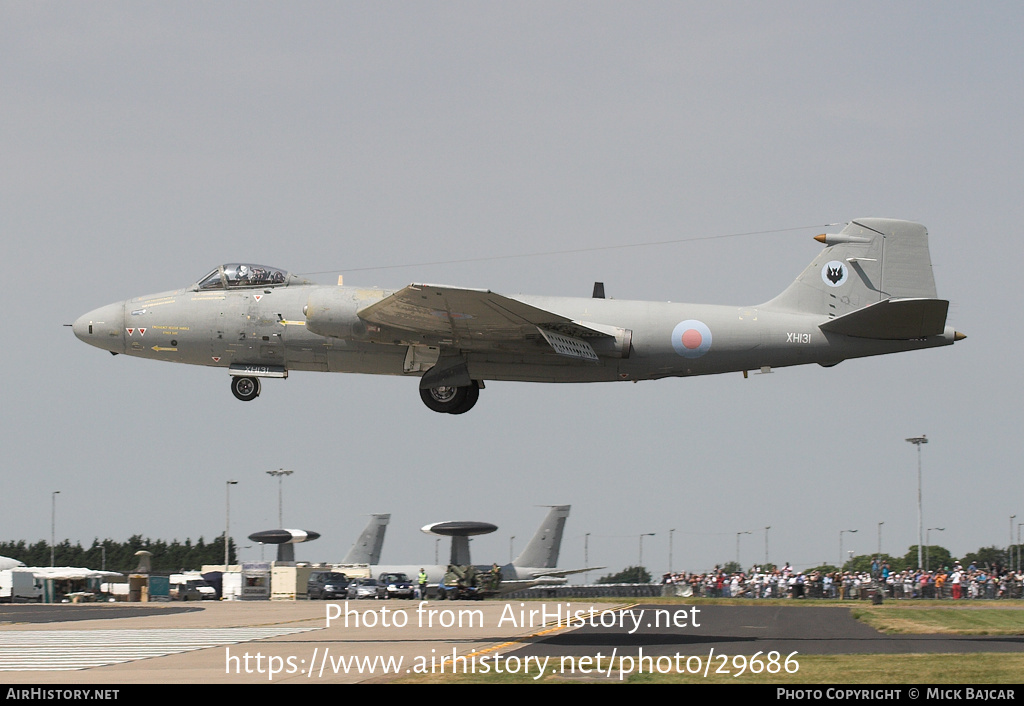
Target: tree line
(937, 558)
(933, 558)
(120, 556)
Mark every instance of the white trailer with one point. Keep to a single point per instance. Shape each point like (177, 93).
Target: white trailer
(19, 586)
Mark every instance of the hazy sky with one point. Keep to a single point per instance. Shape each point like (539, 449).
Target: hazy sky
(142, 144)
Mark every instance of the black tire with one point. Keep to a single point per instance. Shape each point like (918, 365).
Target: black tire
(451, 400)
(245, 388)
(472, 395)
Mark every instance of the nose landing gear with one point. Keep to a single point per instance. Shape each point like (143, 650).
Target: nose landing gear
(245, 388)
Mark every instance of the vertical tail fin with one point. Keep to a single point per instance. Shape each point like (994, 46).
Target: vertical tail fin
(870, 260)
(367, 548)
(542, 551)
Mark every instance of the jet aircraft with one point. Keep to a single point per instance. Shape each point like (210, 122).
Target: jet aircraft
(870, 291)
(534, 566)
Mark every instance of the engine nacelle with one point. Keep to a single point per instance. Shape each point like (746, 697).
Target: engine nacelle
(619, 346)
(332, 313)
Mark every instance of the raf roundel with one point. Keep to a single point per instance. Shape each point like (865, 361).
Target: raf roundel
(691, 338)
(834, 273)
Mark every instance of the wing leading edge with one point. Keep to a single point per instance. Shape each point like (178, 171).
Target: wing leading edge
(480, 319)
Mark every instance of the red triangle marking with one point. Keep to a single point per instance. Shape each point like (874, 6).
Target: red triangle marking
(130, 331)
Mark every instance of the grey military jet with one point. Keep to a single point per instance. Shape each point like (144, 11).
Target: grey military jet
(870, 291)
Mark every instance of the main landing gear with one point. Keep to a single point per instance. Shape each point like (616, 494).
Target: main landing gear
(450, 399)
(245, 388)
(447, 399)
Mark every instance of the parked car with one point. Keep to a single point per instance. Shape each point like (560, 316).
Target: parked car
(362, 588)
(193, 590)
(327, 585)
(394, 586)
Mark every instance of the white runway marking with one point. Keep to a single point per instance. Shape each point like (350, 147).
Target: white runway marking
(57, 650)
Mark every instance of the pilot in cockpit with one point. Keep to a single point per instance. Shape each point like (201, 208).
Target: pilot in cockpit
(238, 275)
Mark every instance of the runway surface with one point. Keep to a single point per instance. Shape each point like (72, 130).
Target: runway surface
(313, 642)
(731, 629)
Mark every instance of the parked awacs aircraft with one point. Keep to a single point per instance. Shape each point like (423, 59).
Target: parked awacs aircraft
(535, 565)
(869, 292)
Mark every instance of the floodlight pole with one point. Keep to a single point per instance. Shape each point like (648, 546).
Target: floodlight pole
(279, 474)
(928, 542)
(1009, 551)
(738, 548)
(53, 523)
(841, 547)
(670, 550)
(227, 519)
(917, 441)
(641, 559)
(1019, 545)
(766, 546)
(586, 557)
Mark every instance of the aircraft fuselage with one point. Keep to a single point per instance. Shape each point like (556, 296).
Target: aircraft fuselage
(268, 328)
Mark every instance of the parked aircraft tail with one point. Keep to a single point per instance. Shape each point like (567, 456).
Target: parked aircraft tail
(542, 551)
(8, 563)
(366, 549)
(873, 280)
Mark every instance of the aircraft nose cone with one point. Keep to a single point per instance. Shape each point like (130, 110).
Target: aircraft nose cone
(103, 327)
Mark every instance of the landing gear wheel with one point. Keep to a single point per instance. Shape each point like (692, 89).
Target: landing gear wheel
(451, 400)
(245, 388)
(472, 395)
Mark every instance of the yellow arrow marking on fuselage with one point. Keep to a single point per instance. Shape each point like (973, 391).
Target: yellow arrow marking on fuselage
(286, 322)
(158, 349)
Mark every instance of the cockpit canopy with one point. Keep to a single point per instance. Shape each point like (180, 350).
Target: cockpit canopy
(236, 275)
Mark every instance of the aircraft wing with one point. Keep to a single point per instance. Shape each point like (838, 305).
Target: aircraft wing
(562, 573)
(513, 585)
(479, 318)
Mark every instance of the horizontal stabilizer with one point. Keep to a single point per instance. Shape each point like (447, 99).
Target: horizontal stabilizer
(893, 320)
(562, 573)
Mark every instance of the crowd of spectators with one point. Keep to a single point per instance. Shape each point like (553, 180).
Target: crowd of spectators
(954, 583)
